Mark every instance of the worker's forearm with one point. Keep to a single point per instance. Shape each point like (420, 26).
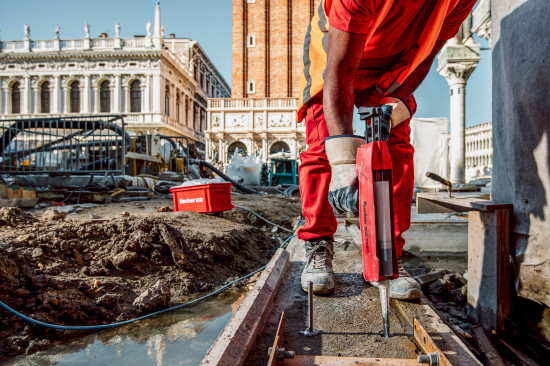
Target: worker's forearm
(344, 52)
(338, 103)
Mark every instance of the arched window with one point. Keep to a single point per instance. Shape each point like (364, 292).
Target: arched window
(104, 97)
(45, 97)
(16, 98)
(236, 145)
(135, 96)
(178, 102)
(167, 100)
(75, 97)
(279, 147)
(251, 87)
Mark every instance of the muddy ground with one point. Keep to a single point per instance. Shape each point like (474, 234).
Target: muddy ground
(113, 262)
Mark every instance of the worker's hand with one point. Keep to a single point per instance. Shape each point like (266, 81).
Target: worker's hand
(343, 192)
(400, 111)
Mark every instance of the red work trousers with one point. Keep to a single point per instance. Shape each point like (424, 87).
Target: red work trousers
(315, 175)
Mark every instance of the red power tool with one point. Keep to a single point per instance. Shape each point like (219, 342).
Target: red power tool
(374, 169)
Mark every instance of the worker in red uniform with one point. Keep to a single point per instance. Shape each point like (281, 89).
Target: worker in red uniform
(367, 53)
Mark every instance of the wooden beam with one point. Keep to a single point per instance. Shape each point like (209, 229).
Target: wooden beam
(492, 357)
(233, 344)
(489, 280)
(435, 202)
(456, 352)
(300, 360)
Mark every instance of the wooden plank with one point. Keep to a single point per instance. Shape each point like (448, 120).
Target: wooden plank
(233, 344)
(489, 268)
(430, 202)
(456, 352)
(428, 345)
(492, 358)
(306, 360)
(138, 156)
(278, 338)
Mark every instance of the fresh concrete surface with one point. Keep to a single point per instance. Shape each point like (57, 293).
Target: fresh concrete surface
(351, 319)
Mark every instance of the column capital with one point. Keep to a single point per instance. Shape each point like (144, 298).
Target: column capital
(456, 62)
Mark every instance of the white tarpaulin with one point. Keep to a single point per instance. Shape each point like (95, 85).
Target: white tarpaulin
(430, 142)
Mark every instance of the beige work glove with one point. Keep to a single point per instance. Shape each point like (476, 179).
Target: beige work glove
(400, 111)
(343, 193)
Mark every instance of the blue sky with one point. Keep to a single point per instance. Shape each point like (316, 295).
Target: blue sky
(209, 22)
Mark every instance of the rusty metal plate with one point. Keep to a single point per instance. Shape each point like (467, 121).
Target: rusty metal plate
(427, 344)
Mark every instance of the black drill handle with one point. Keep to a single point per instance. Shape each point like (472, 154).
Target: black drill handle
(437, 178)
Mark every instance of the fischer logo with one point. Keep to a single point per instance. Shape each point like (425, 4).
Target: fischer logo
(191, 200)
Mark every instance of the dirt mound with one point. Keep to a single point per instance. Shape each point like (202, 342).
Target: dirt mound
(13, 216)
(77, 272)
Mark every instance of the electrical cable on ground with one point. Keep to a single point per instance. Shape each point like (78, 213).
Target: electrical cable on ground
(263, 218)
(112, 325)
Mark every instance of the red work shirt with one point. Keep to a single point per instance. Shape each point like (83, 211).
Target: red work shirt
(400, 29)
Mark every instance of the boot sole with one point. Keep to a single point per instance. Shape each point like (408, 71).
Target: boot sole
(320, 290)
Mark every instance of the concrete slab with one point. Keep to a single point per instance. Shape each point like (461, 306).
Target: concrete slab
(350, 319)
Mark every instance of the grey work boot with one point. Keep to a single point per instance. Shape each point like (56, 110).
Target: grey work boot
(404, 287)
(318, 268)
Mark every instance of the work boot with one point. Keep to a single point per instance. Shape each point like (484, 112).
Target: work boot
(404, 287)
(318, 268)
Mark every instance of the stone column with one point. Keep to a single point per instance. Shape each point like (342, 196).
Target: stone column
(26, 94)
(221, 153)
(4, 100)
(86, 99)
(96, 98)
(37, 98)
(264, 148)
(117, 106)
(66, 99)
(56, 96)
(146, 97)
(127, 101)
(456, 63)
(157, 93)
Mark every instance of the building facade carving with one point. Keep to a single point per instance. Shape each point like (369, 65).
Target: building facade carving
(155, 83)
(267, 56)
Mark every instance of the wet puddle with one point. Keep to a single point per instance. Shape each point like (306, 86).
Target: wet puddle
(178, 338)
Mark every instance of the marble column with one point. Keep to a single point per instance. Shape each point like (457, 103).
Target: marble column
(37, 99)
(146, 97)
(26, 96)
(96, 98)
(456, 62)
(56, 96)
(66, 99)
(127, 99)
(4, 100)
(117, 95)
(157, 93)
(86, 99)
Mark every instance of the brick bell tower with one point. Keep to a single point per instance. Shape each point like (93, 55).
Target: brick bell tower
(267, 46)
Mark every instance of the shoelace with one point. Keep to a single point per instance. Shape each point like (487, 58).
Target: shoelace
(319, 255)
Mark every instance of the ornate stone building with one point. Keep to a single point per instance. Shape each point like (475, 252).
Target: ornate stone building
(479, 147)
(153, 81)
(267, 46)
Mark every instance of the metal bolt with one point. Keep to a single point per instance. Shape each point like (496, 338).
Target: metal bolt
(310, 330)
(432, 359)
(281, 354)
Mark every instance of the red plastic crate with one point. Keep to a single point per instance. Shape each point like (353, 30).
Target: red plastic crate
(203, 198)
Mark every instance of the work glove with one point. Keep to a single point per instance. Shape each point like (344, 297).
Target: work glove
(400, 112)
(343, 193)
